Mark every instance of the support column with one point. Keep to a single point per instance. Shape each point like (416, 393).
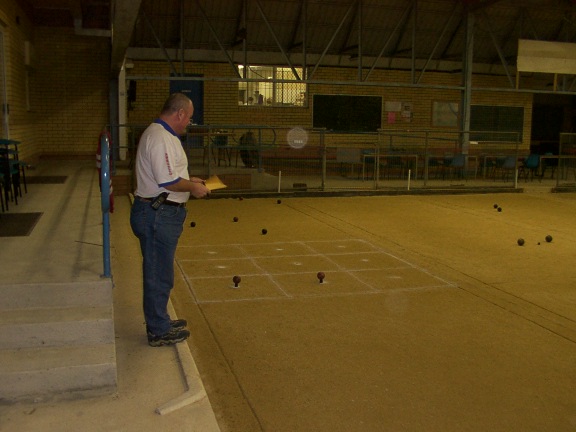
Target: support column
(466, 97)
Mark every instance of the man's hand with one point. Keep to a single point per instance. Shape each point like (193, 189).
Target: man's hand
(197, 180)
(195, 186)
(199, 190)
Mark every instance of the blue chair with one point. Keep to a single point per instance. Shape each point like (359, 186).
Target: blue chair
(505, 166)
(455, 165)
(530, 166)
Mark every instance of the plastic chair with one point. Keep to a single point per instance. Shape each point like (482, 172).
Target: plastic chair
(530, 166)
(454, 165)
(504, 166)
(509, 166)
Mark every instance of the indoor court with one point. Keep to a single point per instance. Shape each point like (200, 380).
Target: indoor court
(388, 244)
(430, 317)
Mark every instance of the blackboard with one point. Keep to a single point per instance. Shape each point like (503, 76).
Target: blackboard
(504, 119)
(347, 113)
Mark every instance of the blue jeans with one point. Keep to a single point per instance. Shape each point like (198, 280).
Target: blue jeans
(158, 232)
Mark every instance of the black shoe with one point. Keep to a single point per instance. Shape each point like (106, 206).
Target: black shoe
(172, 337)
(178, 324)
(174, 324)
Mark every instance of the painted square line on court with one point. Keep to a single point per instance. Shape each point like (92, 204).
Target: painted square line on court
(289, 269)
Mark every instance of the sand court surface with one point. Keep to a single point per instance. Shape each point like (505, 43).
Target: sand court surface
(291, 270)
(430, 317)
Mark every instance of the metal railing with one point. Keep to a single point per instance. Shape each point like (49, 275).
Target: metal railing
(562, 166)
(280, 159)
(105, 201)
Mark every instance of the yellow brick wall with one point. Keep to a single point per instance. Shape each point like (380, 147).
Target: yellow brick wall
(68, 84)
(58, 103)
(18, 29)
(221, 106)
(71, 90)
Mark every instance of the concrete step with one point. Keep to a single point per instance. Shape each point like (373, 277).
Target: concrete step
(59, 295)
(30, 328)
(39, 374)
(56, 340)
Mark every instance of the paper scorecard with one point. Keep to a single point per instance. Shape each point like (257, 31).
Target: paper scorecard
(213, 183)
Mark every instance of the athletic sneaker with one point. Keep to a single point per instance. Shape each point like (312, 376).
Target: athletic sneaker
(174, 324)
(172, 337)
(178, 324)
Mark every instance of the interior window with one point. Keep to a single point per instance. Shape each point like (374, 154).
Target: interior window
(275, 89)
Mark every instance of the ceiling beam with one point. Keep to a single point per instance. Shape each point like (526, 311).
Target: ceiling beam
(401, 31)
(297, 22)
(399, 23)
(440, 38)
(499, 50)
(159, 42)
(342, 21)
(278, 44)
(124, 17)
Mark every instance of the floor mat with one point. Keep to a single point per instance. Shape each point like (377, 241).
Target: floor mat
(18, 224)
(46, 179)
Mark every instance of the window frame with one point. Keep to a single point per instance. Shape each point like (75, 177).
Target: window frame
(269, 85)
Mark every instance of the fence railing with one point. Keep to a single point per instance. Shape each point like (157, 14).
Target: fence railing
(283, 158)
(105, 202)
(561, 167)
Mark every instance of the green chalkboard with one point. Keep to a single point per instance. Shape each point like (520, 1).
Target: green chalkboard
(347, 113)
(496, 123)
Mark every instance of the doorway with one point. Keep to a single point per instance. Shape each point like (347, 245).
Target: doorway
(551, 115)
(195, 91)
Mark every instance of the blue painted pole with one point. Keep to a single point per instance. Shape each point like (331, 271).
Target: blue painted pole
(105, 190)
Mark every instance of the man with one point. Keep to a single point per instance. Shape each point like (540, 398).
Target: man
(158, 213)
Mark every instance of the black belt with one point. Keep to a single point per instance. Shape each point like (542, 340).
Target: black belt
(167, 202)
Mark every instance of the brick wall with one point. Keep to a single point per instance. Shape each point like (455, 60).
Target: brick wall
(17, 31)
(71, 90)
(221, 98)
(59, 101)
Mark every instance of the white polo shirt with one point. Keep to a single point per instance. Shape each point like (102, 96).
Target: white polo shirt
(160, 161)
